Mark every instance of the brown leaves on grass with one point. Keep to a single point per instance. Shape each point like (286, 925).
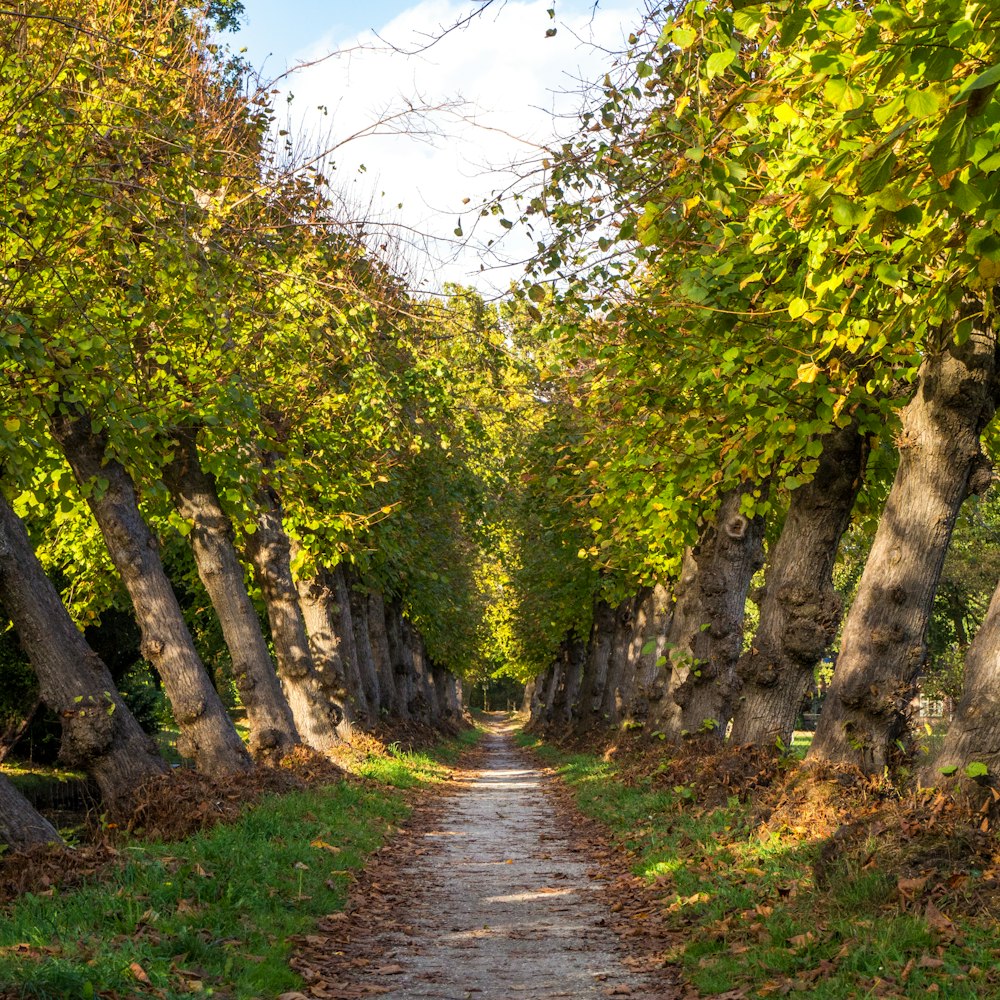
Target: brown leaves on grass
(41, 869)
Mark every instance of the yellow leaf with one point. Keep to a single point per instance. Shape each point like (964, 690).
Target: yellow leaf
(808, 372)
(12, 424)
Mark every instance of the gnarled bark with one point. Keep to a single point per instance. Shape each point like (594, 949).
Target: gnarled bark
(884, 639)
(647, 678)
(369, 695)
(316, 714)
(706, 635)
(799, 608)
(595, 668)
(399, 658)
(207, 734)
(342, 617)
(974, 734)
(272, 727)
(379, 640)
(21, 825)
(620, 663)
(99, 733)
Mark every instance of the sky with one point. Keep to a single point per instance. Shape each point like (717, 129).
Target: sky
(483, 100)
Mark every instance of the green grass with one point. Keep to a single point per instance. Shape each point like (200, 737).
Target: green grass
(750, 914)
(212, 915)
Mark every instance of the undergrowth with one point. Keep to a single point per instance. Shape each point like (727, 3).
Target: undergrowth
(903, 907)
(214, 914)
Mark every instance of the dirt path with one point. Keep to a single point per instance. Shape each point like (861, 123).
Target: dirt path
(492, 902)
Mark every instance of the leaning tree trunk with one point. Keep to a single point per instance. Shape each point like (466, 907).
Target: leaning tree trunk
(595, 668)
(207, 733)
(21, 825)
(272, 727)
(799, 608)
(726, 556)
(884, 639)
(648, 673)
(99, 733)
(316, 714)
(973, 738)
(619, 663)
(379, 641)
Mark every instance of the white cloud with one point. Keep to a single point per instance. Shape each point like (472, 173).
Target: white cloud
(512, 79)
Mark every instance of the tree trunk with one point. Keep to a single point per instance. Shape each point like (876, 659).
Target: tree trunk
(649, 674)
(551, 680)
(426, 708)
(528, 701)
(272, 728)
(399, 658)
(316, 714)
(974, 734)
(21, 825)
(595, 668)
(379, 640)
(799, 608)
(207, 734)
(342, 617)
(707, 630)
(884, 639)
(620, 663)
(370, 693)
(99, 733)
(321, 613)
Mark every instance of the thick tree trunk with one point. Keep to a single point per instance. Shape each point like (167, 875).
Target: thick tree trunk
(99, 733)
(21, 825)
(649, 672)
(425, 685)
(399, 658)
(884, 639)
(342, 617)
(320, 613)
(707, 628)
(595, 668)
(974, 734)
(799, 609)
(370, 694)
(419, 704)
(207, 734)
(316, 714)
(528, 700)
(379, 640)
(441, 678)
(272, 728)
(620, 663)
(552, 678)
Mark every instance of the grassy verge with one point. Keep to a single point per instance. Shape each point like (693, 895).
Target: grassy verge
(752, 918)
(212, 915)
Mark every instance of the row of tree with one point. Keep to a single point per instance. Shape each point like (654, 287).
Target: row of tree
(209, 375)
(769, 300)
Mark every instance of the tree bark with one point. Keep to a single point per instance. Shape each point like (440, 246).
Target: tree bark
(974, 734)
(99, 733)
(207, 734)
(342, 617)
(399, 658)
(884, 639)
(648, 677)
(272, 727)
(799, 609)
(379, 641)
(21, 825)
(595, 669)
(316, 714)
(321, 614)
(620, 662)
(707, 628)
(370, 694)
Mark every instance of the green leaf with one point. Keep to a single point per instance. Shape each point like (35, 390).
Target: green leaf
(683, 38)
(797, 307)
(846, 212)
(922, 103)
(949, 770)
(948, 151)
(989, 78)
(889, 275)
(977, 769)
(649, 647)
(719, 62)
